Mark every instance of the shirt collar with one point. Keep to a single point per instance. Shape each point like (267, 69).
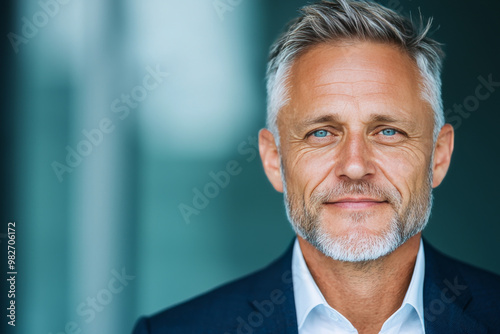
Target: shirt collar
(415, 293)
(308, 296)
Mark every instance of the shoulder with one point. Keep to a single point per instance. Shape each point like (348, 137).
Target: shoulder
(227, 307)
(452, 287)
(447, 268)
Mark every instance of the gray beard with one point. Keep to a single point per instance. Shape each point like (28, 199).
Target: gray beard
(358, 246)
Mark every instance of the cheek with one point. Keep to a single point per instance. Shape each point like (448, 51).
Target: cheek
(406, 171)
(308, 170)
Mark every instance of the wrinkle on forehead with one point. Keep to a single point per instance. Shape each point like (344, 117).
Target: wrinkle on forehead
(325, 65)
(333, 77)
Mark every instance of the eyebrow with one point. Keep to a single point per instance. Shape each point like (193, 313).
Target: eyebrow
(331, 118)
(407, 124)
(382, 118)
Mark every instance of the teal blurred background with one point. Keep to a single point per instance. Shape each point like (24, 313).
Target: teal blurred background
(176, 90)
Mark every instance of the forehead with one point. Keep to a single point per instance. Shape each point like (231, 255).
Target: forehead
(371, 77)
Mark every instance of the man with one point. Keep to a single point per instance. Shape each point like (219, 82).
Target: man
(356, 141)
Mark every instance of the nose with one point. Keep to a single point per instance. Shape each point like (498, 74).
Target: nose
(354, 160)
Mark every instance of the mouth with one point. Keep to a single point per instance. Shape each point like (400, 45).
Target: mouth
(356, 203)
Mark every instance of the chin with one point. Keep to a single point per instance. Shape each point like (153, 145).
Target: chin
(357, 244)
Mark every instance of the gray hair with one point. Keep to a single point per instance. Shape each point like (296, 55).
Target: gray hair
(349, 20)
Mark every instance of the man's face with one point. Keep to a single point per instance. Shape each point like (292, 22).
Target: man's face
(356, 149)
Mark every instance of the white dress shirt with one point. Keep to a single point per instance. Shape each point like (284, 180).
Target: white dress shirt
(315, 316)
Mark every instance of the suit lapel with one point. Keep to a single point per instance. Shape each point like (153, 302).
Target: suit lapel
(446, 296)
(277, 283)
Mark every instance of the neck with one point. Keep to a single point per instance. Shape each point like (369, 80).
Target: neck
(367, 293)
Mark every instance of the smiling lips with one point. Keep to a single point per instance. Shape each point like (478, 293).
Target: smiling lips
(356, 202)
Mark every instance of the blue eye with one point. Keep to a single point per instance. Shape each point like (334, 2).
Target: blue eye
(320, 133)
(388, 132)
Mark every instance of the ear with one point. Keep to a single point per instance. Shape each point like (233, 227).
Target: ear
(442, 154)
(270, 158)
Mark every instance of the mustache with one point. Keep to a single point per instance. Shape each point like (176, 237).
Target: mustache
(357, 188)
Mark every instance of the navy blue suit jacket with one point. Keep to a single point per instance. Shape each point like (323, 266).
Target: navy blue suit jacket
(458, 298)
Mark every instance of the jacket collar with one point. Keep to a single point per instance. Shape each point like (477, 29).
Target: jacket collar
(276, 282)
(446, 296)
